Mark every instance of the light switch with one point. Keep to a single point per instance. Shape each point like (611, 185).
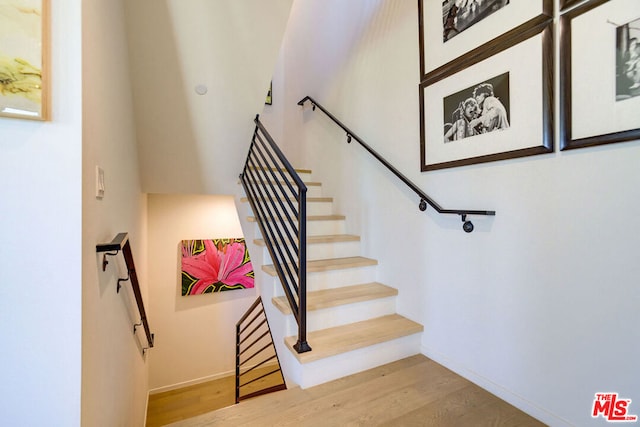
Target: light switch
(99, 182)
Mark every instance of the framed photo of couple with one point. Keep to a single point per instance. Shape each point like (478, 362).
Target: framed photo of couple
(495, 101)
(599, 86)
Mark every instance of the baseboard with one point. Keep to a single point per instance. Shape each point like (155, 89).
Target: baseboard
(191, 382)
(508, 396)
(201, 380)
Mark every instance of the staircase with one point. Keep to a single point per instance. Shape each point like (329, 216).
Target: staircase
(352, 323)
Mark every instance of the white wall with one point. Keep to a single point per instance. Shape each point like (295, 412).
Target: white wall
(40, 231)
(192, 143)
(539, 304)
(114, 370)
(195, 335)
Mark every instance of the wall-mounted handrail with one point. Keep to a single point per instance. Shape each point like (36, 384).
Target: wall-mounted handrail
(424, 198)
(278, 199)
(121, 243)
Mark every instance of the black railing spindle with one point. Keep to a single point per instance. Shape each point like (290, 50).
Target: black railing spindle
(271, 183)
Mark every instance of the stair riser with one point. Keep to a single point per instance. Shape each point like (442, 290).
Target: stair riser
(333, 279)
(321, 228)
(313, 208)
(312, 190)
(344, 314)
(306, 177)
(334, 367)
(326, 251)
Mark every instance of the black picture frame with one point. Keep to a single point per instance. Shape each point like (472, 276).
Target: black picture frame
(565, 4)
(566, 131)
(544, 30)
(511, 19)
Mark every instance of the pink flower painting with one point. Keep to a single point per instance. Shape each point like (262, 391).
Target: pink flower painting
(215, 265)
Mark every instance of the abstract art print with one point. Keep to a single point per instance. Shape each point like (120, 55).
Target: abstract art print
(23, 59)
(215, 265)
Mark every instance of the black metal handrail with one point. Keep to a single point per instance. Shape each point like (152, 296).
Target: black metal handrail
(263, 363)
(424, 198)
(278, 199)
(121, 243)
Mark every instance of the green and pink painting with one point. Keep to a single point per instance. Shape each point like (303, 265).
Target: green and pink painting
(215, 265)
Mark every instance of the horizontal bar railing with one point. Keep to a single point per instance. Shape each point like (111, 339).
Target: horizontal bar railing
(424, 198)
(121, 243)
(278, 199)
(261, 364)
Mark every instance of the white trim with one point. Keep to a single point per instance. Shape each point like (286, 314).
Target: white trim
(192, 382)
(200, 380)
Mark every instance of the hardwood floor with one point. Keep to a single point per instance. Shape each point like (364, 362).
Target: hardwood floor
(175, 405)
(414, 391)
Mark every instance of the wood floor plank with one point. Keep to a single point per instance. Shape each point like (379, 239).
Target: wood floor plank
(414, 391)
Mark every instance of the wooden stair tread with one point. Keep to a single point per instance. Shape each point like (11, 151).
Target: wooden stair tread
(312, 218)
(341, 339)
(329, 264)
(307, 183)
(329, 238)
(309, 199)
(308, 171)
(326, 298)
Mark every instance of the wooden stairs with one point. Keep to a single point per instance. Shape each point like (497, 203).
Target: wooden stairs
(352, 322)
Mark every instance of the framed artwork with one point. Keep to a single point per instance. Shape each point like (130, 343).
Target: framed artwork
(600, 73)
(24, 54)
(450, 29)
(215, 265)
(269, 99)
(498, 108)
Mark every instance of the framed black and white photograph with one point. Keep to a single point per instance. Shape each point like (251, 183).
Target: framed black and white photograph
(478, 109)
(628, 60)
(449, 29)
(600, 73)
(458, 15)
(498, 108)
